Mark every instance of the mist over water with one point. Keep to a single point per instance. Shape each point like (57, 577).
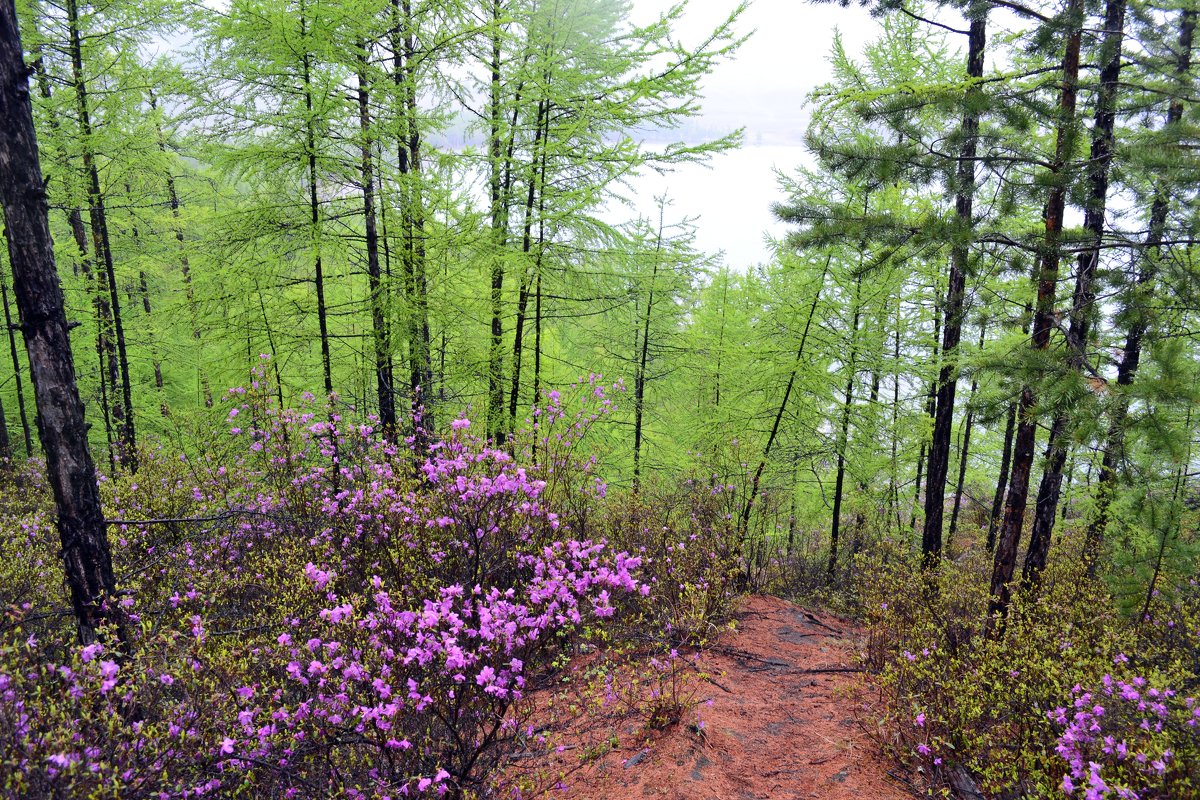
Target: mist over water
(728, 200)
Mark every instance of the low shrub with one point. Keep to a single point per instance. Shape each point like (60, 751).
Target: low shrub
(1008, 708)
(311, 611)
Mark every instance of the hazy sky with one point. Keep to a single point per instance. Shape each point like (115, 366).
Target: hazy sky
(789, 45)
(762, 89)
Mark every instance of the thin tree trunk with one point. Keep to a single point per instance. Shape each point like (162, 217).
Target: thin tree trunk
(537, 179)
(864, 486)
(6, 452)
(1171, 527)
(1084, 297)
(420, 341)
(930, 411)
(744, 524)
(314, 206)
(965, 449)
(639, 383)
(1002, 480)
(118, 358)
(381, 336)
(1131, 353)
(85, 553)
(16, 362)
(1066, 492)
(721, 334)
(1044, 322)
(495, 370)
(262, 308)
(895, 477)
(953, 312)
(537, 339)
(99, 297)
(844, 436)
(185, 269)
(143, 290)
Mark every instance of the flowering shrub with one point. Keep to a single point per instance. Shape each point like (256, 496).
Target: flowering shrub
(662, 692)
(691, 557)
(312, 611)
(954, 697)
(1129, 739)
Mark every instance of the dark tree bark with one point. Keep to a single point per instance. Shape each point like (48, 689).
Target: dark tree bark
(143, 289)
(107, 291)
(314, 206)
(639, 378)
(894, 480)
(721, 333)
(107, 360)
(85, 552)
(412, 223)
(537, 180)
(1084, 298)
(537, 351)
(1131, 354)
(953, 310)
(499, 223)
(381, 335)
(1044, 321)
(6, 452)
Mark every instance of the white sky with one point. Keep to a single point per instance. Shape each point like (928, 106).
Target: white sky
(790, 41)
(763, 89)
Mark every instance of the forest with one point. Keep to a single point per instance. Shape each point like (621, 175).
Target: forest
(351, 417)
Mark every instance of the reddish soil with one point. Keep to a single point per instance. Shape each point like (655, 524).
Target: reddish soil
(781, 724)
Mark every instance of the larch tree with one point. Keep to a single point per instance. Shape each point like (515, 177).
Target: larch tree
(82, 530)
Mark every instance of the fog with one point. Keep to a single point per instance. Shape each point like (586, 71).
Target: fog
(763, 89)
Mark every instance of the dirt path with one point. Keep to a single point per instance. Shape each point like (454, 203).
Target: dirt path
(781, 723)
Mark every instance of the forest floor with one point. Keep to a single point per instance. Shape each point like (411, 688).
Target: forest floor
(786, 721)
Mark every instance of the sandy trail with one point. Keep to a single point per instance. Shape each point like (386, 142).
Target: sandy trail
(781, 723)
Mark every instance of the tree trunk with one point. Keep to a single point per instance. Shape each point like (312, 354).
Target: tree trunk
(420, 341)
(844, 436)
(894, 481)
(639, 382)
(1168, 529)
(118, 358)
(85, 552)
(16, 362)
(953, 312)
(965, 449)
(1002, 480)
(381, 336)
(1131, 353)
(99, 298)
(537, 178)
(1044, 322)
(495, 369)
(1084, 297)
(143, 289)
(744, 525)
(930, 411)
(6, 452)
(184, 264)
(314, 206)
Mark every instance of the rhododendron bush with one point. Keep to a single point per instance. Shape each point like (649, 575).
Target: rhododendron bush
(308, 610)
(1071, 698)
